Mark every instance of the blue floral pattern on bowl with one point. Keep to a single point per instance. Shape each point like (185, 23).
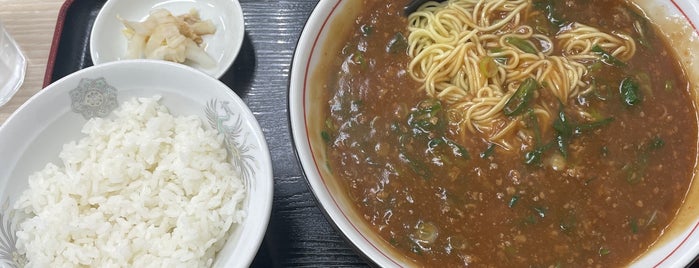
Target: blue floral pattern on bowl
(93, 98)
(8, 238)
(230, 125)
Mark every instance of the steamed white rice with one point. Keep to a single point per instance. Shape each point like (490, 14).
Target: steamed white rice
(145, 189)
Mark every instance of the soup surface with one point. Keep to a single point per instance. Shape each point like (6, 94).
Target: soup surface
(444, 196)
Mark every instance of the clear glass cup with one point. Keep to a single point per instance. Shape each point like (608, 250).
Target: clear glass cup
(13, 66)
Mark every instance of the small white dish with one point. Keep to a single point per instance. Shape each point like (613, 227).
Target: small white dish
(34, 135)
(107, 43)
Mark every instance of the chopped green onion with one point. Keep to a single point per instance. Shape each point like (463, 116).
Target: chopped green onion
(395, 127)
(499, 59)
(589, 181)
(533, 157)
(633, 223)
(457, 149)
(568, 222)
(488, 67)
(563, 130)
(541, 24)
(603, 251)
(641, 27)
(561, 124)
(366, 29)
(488, 151)
(547, 6)
(630, 93)
(513, 201)
(325, 136)
(358, 58)
(328, 166)
(433, 143)
(397, 44)
(520, 99)
(595, 67)
(393, 241)
(427, 116)
(522, 44)
(636, 169)
(607, 58)
(592, 125)
(562, 144)
(418, 167)
(426, 232)
(656, 143)
(669, 85)
(329, 124)
(416, 249)
(540, 211)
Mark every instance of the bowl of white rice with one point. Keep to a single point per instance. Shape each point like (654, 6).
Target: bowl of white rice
(133, 163)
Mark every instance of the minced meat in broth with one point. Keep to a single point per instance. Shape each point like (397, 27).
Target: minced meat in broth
(442, 199)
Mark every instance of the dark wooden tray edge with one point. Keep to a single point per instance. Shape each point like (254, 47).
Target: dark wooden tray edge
(60, 21)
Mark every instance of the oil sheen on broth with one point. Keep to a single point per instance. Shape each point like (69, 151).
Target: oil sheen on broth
(592, 185)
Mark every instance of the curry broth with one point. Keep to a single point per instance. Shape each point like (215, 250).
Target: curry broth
(682, 37)
(487, 207)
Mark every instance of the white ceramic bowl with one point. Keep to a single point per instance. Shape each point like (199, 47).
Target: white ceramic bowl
(678, 20)
(36, 132)
(107, 43)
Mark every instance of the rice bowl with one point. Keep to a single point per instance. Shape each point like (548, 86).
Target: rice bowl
(55, 123)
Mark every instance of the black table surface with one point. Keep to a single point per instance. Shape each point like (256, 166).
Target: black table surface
(298, 234)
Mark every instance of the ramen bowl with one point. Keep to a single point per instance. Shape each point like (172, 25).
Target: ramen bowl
(322, 38)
